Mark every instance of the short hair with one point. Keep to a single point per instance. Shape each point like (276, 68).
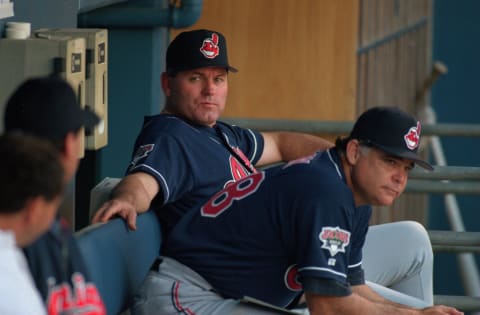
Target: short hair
(29, 168)
(341, 144)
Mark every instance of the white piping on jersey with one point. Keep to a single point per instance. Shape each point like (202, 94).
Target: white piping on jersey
(334, 164)
(355, 265)
(324, 269)
(214, 140)
(255, 147)
(255, 144)
(167, 192)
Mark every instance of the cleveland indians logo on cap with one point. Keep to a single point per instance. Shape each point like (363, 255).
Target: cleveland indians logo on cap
(210, 47)
(334, 239)
(412, 137)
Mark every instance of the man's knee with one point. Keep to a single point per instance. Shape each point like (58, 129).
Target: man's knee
(416, 239)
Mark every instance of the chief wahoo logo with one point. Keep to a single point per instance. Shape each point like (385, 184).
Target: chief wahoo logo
(412, 138)
(210, 47)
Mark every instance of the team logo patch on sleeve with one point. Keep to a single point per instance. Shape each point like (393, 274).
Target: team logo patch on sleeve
(334, 239)
(142, 152)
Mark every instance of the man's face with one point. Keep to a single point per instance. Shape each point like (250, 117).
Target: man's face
(378, 178)
(197, 95)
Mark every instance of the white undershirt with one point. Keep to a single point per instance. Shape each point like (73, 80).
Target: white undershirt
(18, 294)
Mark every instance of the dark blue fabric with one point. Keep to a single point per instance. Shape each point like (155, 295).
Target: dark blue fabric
(190, 162)
(55, 261)
(296, 222)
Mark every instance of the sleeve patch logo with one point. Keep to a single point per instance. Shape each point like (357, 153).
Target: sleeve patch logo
(334, 239)
(142, 152)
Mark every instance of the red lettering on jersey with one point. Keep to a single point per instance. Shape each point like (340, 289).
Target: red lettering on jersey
(85, 299)
(244, 159)
(291, 278)
(234, 191)
(335, 234)
(237, 169)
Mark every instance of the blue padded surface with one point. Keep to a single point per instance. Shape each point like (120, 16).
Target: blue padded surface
(118, 259)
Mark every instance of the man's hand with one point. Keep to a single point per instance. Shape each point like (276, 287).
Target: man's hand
(132, 195)
(441, 309)
(116, 207)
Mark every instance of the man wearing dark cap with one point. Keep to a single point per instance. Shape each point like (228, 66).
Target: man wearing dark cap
(28, 204)
(185, 155)
(47, 108)
(293, 229)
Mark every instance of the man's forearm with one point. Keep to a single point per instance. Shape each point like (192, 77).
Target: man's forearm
(353, 304)
(137, 190)
(369, 294)
(287, 146)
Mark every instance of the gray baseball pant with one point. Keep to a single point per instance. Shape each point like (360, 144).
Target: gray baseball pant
(176, 289)
(399, 256)
(398, 264)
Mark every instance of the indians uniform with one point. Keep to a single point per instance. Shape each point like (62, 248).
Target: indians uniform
(192, 162)
(269, 236)
(64, 282)
(293, 222)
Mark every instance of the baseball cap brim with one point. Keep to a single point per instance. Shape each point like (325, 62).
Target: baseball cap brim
(187, 68)
(232, 69)
(406, 155)
(90, 119)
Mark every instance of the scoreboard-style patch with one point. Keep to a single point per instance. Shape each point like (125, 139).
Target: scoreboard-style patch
(334, 239)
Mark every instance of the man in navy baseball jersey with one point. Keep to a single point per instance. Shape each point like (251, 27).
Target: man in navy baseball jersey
(185, 155)
(292, 229)
(47, 108)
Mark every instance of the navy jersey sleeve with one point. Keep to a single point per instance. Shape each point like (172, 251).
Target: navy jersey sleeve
(330, 235)
(166, 159)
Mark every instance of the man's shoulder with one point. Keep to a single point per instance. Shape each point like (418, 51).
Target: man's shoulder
(229, 127)
(168, 124)
(162, 121)
(318, 172)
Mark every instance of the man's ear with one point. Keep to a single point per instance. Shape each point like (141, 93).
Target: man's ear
(71, 147)
(353, 152)
(31, 214)
(165, 84)
(32, 210)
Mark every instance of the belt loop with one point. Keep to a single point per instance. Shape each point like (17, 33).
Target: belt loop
(156, 264)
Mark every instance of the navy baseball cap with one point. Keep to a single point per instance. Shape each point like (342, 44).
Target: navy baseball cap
(391, 130)
(197, 49)
(47, 107)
